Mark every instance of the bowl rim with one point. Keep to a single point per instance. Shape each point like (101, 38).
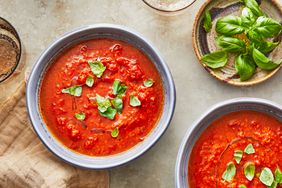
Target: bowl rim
(209, 70)
(169, 11)
(210, 110)
(34, 119)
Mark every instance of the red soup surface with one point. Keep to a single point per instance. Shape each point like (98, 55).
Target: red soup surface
(101, 97)
(239, 150)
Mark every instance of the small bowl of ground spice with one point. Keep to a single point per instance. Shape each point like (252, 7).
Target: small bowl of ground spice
(10, 49)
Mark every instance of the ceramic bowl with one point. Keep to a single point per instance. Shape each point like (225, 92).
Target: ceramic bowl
(77, 36)
(215, 112)
(204, 43)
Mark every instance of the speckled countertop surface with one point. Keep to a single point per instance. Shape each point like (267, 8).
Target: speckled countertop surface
(39, 22)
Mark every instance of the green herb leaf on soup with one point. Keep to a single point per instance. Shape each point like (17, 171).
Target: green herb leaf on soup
(263, 62)
(118, 103)
(97, 67)
(230, 44)
(216, 59)
(249, 149)
(207, 21)
(253, 6)
(103, 103)
(80, 116)
(238, 154)
(273, 185)
(245, 67)
(89, 81)
(267, 27)
(74, 90)
(249, 170)
(229, 173)
(278, 175)
(242, 186)
(148, 83)
(118, 88)
(109, 113)
(134, 101)
(248, 17)
(266, 177)
(229, 25)
(265, 46)
(115, 132)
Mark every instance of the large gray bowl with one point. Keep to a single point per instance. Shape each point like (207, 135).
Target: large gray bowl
(77, 36)
(220, 109)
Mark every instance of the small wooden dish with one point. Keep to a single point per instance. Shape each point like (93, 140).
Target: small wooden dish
(204, 43)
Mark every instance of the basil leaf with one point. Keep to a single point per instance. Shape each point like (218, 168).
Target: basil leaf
(80, 116)
(229, 173)
(216, 59)
(253, 5)
(254, 36)
(118, 88)
(74, 90)
(242, 186)
(229, 25)
(115, 132)
(207, 21)
(103, 103)
(238, 154)
(249, 149)
(278, 175)
(245, 67)
(265, 46)
(134, 101)
(266, 177)
(148, 83)
(97, 68)
(117, 103)
(89, 81)
(263, 62)
(230, 44)
(249, 170)
(273, 185)
(267, 27)
(248, 17)
(109, 113)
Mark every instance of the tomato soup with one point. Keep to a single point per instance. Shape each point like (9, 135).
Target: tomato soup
(239, 150)
(101, 97)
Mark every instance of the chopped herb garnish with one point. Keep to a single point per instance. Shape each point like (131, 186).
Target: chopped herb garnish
(229, 173)
(89, 81)
(110, 113)
(103, 103)
(80, 116)
(242, 186)
(118, 88)
(249, 170)
(278, 175)
(249, 149)
(148, 83)
(118, 103)
(266, 177)
(97, 67)
(238, 154)
(74, 90)
(134, 101)
(115, 132)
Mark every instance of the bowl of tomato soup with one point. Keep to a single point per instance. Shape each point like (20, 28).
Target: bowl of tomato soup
(237, 143)
(100, 96)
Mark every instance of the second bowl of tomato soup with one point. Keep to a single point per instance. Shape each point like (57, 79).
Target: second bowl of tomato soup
(100, 96)
(236, 144)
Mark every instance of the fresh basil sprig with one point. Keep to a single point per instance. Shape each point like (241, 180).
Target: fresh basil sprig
(74, 90)
(253, 6)
(245, 67)
(97, 67)
(263, 62)
(229, 25)
(229, 173)
(207, 21)
(230, 44)
(216, 59)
